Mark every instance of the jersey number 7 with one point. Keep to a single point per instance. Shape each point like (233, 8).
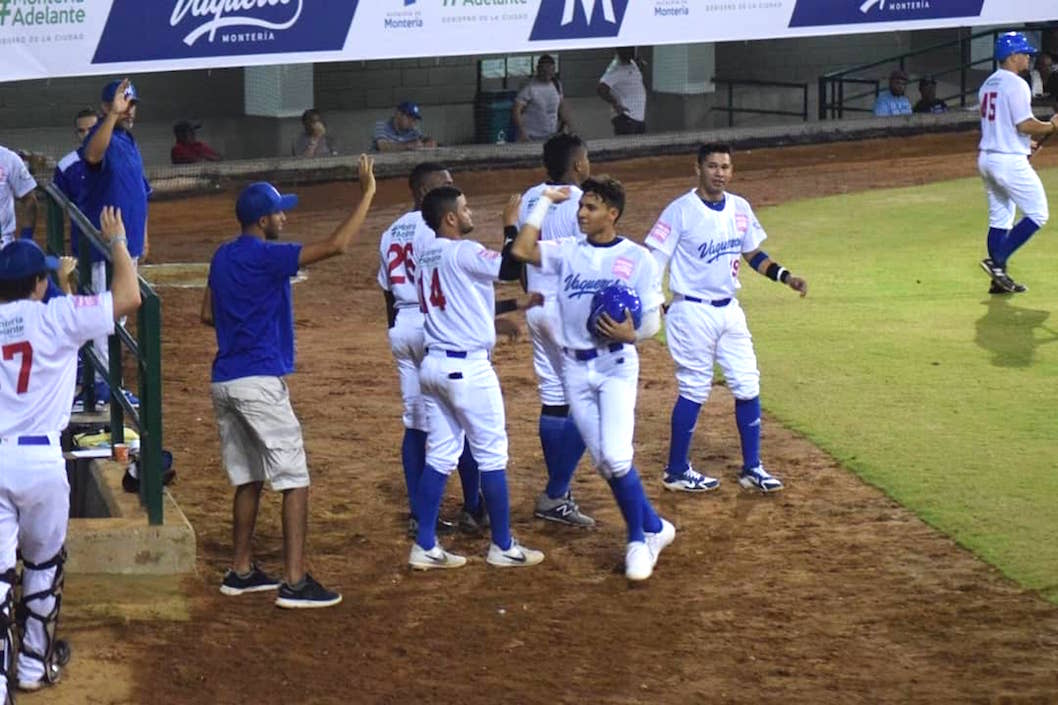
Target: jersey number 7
(437, 297)
(988, 106)
(26, 351)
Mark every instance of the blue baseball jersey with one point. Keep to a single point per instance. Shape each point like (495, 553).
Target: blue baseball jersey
(69, 176)
(118, 180)
(253, 312)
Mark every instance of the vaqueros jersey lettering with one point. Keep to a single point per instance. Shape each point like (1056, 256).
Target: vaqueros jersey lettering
(38, 358)
(705, 245)
(456, 292)
(583, 269)
(561, 221)
(1005, 100)
(396, 272)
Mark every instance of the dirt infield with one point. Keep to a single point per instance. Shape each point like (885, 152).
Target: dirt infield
(826, 593)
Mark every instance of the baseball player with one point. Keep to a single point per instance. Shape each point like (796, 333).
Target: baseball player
(567, 164)
(1008, 134)
(601, 368)
(461, 392)
(16, 183)
(38, 362)
(396, 276)
(702, 237)
(248, 301)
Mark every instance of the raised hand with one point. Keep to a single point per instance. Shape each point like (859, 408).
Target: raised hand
(366, 174)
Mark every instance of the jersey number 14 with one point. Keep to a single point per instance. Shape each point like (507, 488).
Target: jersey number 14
(25, 351)
(437, 297)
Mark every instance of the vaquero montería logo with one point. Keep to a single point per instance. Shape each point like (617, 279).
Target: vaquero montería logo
(138, 31)
(815, 13)
(578, 19)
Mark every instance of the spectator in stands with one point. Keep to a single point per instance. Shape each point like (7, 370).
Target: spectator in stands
(540, 108)
(313, 140)
(69, 177)
(893, 101)
(401, 132)
(188, 148)
(16, 184)
(622, 87)
(928, 101)
(1040, 77)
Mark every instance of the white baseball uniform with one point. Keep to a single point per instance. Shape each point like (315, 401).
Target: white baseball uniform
(1006, 100)
(461, 392)
(396, 274)
(15, 182)
(38, 365)
(601, 378)
(705, 321)
(542, 321)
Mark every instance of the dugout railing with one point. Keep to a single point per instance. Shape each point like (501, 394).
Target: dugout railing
(731, 109)
(145, 347)
(839, 90)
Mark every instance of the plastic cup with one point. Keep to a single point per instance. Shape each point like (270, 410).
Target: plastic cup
(121, 452)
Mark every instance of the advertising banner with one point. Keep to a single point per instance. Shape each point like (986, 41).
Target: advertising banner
(51, 38)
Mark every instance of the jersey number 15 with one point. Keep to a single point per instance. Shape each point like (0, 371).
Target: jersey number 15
(25, 350)
(988, 106)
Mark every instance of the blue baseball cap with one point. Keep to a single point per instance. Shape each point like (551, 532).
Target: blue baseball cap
(1011, 43)
(24, 258)
(411, 109)
(260, 199)
(111, 88)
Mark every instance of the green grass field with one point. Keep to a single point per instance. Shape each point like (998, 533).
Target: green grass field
(901, 366)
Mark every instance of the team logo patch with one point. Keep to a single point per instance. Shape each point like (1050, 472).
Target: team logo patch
(622, 267)
(741, 222)
(488, 254)
(660, 233)
(85, 301)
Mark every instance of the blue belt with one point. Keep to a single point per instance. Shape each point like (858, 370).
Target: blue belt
(34, 441)
(719, 303)
(592, 353)
(456, 353)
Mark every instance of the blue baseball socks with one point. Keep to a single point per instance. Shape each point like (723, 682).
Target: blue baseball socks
(497, 503)
(1002, 244)
(562, 446)
(427, 505)
(684, 419)
(413, 457)
(747, 417)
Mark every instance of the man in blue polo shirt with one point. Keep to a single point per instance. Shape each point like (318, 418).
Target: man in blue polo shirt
(114, 175)
(248, 302)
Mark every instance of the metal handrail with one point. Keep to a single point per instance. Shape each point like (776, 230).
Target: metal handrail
(730, 108)
(833, 82)
(146, 348)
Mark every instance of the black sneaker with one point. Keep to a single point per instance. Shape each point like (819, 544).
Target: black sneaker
(308, 595)
(443, 527)
(1018, 289)
(999, 276)
(256, 581)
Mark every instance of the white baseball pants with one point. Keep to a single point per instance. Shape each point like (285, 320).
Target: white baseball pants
(602, 400)
(699, 335)
(406, 344)
(1011, 181)
(544, 325)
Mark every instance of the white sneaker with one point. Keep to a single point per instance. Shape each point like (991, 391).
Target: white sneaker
(436, 557)
(517, 556)
(639, 561)
(659, 540)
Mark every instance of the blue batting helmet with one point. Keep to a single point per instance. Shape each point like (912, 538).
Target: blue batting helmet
(613, 300)
(1012, 43)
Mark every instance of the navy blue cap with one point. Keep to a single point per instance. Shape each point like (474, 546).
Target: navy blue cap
(24, 258)
(260, 199)
(411, 109)
(111, 88)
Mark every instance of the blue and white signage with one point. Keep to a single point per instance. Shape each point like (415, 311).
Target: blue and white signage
(51, 38)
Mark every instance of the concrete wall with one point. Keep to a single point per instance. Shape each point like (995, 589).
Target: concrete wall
(37, 115)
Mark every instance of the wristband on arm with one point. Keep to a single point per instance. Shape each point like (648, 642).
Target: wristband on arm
(776, 272)
(539, 212)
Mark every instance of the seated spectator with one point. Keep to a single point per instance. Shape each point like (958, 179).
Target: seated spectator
(1040, 79)
(188, 149)
(622, 87)
(313, 141)
(540, 107)
(400, 133)
(928, 101)
(893, 101)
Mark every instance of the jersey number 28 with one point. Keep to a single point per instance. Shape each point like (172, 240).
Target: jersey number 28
(988, 106)
(25, 350)
(437, 297)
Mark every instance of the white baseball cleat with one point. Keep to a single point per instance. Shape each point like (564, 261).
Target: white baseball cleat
(759, 478)
(658, 541)
(639, 561)
(517, 556)
(436, 557)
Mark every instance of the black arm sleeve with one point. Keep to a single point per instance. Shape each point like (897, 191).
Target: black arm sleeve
(391, 308)
(510, 268)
